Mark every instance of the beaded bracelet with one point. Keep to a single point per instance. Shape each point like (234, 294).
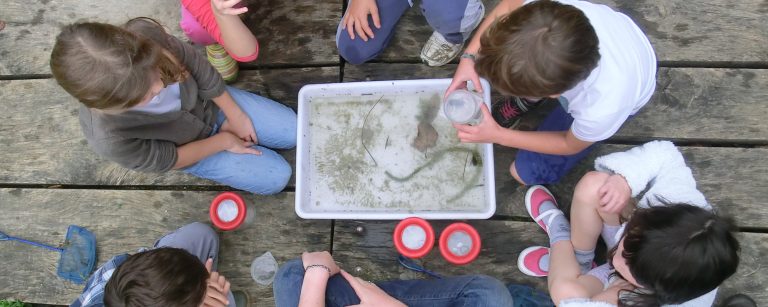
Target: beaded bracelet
(467, 55)
(318, 266)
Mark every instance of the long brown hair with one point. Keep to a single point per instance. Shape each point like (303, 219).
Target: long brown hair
(541, 49)
(110, 67)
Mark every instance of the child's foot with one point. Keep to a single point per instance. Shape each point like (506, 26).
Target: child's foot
(507, 110)
(542, 207)
(438, 51)
(222, 62)
(534, 261)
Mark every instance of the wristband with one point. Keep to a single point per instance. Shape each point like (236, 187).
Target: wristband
(467, 55)
(318, 266)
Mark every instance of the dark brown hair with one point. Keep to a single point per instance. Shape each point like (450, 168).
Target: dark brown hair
(169, 277)
(697, 247)
(109, 67)
(541, 49)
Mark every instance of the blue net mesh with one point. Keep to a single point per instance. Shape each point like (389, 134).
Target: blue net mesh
(78, 258)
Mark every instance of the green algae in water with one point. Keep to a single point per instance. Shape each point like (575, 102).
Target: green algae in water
(363, 156)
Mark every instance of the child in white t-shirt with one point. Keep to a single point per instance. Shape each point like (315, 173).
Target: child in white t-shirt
(593, 61)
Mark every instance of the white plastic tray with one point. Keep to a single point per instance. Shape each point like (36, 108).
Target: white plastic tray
(338, 179)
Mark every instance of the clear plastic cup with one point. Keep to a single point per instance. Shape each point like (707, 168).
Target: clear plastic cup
(263, 269)
(463, 107)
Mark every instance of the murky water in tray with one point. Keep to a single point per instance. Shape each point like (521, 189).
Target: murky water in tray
(390, 153)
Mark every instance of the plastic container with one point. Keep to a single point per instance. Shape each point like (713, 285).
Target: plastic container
(413, 237)
(229, 211)
(371, 196)
(459, 243)
(264, 268)
(463, 107)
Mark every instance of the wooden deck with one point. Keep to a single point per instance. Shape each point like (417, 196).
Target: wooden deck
(711, 99)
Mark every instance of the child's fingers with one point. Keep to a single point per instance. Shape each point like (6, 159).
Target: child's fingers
(215, 297)
(209, 265)
(235, 11)
(476, 83)
(367, 29)
(359, 29)
(253, 151)
(354, 282)
(351, 27)
(375, 17)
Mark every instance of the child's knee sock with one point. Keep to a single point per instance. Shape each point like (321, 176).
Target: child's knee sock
(584, 258)
(609, 235)
(558, 227)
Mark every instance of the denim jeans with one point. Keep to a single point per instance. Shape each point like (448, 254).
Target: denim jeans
(268, 173)
(451, 18)
(468, 290)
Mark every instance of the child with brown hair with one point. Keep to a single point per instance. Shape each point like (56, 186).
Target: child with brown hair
(595, 63)
(152, 103)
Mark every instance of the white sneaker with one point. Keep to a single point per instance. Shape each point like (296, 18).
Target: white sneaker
(438, 51)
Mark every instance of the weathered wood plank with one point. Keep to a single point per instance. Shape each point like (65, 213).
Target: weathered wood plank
(124, 221)
(691, 104)
(375, 255)
(294, 32)
(42, 142)
(732, 179)
(709, 31)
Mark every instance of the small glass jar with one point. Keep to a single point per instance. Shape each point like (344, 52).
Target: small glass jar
(463, 107)
(413, 237)
(459, 243)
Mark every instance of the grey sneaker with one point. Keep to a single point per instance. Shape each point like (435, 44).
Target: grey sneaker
(241, 298)
(438, 51)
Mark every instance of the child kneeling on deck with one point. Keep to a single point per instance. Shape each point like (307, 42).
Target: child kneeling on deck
(592, 62)
(179, 271)
(152, 103)
(673, 249)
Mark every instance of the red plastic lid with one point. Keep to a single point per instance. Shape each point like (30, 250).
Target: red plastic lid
(241, 211)
(429, 241)
(473, 251)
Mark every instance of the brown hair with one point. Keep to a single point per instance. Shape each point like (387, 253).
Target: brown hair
(109, 67)
(165, 276)
(541, 49)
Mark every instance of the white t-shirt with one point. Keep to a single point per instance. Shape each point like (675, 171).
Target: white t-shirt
(622, 83)
(168, 100)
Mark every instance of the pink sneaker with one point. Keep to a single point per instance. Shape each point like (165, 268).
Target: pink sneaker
(529, 259)
(535, 196)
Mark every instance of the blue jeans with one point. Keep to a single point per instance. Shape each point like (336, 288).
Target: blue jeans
(469, 290)
(268, 173)
(454, 19)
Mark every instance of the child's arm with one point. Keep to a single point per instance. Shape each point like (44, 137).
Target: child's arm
(547, 142)
(660, 165)
(318, 268)
(193, 152)
(235, 36)
(237, 121)
(466, 69)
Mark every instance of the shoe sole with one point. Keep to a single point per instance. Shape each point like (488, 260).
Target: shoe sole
(521, 262)
(528, 205)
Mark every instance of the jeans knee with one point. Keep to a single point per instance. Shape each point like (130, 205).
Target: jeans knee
(356, 51)
(201, 231)
(289, 275)
(490, 291)
(280, 176)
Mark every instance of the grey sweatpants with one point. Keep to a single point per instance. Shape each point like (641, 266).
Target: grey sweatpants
(198, 239)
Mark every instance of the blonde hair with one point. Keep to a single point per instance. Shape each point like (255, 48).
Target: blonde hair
(110, 67)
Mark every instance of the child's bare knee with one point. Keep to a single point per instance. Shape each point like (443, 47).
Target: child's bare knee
(566, 289)
(513, 172)
(586, 190)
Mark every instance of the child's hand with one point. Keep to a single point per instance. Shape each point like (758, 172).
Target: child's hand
(237, 145)
(614, 194)
(217, 289)
(241, 126)
(464, 72)
(485, 132)
(227, 7)
(356, 18)
(322, 258)
(369, 293)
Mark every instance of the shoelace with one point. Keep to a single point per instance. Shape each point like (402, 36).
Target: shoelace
(409, 264)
